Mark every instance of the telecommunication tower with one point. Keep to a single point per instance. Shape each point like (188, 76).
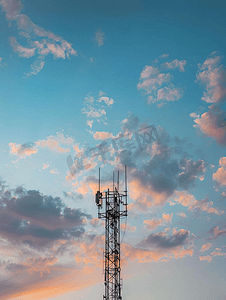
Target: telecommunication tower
(112, 206)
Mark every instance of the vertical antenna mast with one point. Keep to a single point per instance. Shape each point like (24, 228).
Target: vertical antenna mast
(99, 180)
(115, 207)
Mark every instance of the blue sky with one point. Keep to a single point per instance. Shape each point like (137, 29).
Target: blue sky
(78, 76)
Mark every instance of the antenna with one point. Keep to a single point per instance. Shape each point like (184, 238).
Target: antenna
(125, 180)
(99, 179)
(114, 208)
(113, 182)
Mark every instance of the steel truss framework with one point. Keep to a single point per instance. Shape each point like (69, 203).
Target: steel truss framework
(112, 205)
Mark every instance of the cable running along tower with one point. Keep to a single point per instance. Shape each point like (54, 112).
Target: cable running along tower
(112, 205)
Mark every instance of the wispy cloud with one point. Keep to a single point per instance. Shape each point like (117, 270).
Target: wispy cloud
(206, 247)
(180, 64)
(96, 108)
(39, 42)
(99, 37)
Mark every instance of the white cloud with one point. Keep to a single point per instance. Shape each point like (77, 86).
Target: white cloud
(92, 112)
(169, 94)
(99, 37)
(20, 50)
(107, 100)
(180, 64)
(158, 85)
(164, 55)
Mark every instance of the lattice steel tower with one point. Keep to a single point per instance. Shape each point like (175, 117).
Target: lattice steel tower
(112, 205)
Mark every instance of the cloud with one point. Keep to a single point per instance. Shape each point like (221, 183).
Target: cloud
(206, 247)
(128, 227)
(28, 217)
(209, 124)
(22, 51)
(96, 108)
(154, 172)
(204, 205)
(188, 200)
(45, 166)
(40, 42)
(164, 55)
(207, 258)
(153, 224)
(217, 253)
(12, 8)
(169, 94)
(180, 64)
(107, 100)
(61, 279)
(54, 171)
(99, 37)
(98, 135)
(158, 85)
(24, 150)
(160, 240)
(217, 232)
(92, 112)
(220, 175)
(181, 214)
(54, 143)
(160, 247)
(89, 123)
(213, 77)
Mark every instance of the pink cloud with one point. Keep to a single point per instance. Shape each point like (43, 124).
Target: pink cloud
(189, 201)
(222, 161)
(209, 125)
(218, 232)
(214, 79)
(207, 258)
(217, 253)
(54, 142)
(157, 253)
(22, 150)
(220, 175)
(143, 196)
(184, 198)
(45, 166)
(102, 135)
(128, 227)
(153, 224)
(204, 205)
(206, 247)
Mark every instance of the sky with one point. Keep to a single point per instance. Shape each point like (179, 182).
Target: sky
(103, 84)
